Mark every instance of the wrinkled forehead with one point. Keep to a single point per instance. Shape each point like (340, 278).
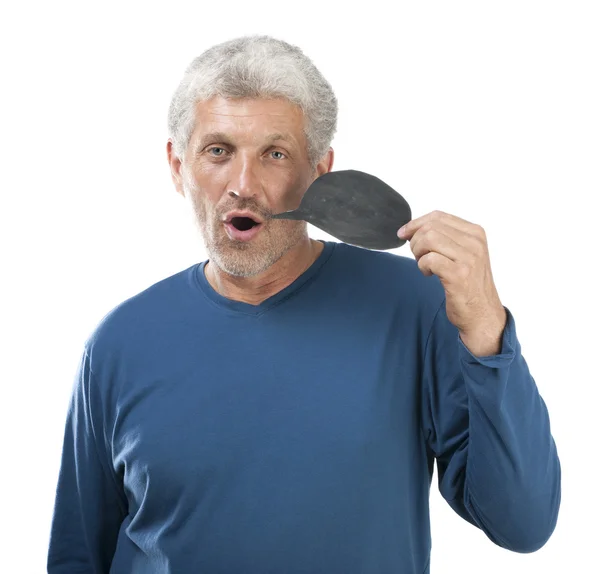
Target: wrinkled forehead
(249, 121)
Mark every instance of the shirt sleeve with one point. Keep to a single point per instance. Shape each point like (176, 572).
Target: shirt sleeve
(89, 506)
(488, 428)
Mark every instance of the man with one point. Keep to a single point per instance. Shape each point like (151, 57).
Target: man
(278, 407)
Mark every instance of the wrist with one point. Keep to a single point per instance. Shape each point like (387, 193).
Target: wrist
(486, 338)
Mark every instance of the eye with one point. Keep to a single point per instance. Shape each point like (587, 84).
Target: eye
(216, 148)
(280, 154)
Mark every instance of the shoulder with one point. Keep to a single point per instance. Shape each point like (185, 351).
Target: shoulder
(386, 274)
(143, 315)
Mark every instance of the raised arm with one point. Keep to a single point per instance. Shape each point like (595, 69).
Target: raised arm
(488, 427)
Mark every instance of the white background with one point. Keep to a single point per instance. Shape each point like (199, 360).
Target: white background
(487, 110)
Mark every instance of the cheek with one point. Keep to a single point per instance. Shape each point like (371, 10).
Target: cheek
(206, 209)
(290, 192)
(199, 205)
(204, 195)
(208, 181)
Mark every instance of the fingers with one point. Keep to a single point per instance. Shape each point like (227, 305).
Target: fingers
(435, 217)
(434, 263)
(443, 239)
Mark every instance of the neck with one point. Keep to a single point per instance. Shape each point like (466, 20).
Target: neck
(254, 290)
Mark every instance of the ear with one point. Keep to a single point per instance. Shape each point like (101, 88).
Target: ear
(175, 166)
(326, 163)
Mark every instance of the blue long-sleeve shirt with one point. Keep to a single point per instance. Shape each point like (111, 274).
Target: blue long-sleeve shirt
(298, 435)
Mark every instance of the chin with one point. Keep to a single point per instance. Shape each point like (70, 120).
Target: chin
(241, 259)
(241, 264)
(249, 259)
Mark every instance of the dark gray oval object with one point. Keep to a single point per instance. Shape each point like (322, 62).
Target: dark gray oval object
(354, 207)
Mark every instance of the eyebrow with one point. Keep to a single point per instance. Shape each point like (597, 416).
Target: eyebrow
(221, 137)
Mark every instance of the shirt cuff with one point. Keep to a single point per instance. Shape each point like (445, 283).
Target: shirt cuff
(507, 351)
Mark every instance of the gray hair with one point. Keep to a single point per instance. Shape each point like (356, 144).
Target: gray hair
(256, 67)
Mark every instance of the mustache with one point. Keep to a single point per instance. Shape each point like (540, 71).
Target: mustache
(246, 204)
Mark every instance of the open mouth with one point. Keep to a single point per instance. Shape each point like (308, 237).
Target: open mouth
(243, 223)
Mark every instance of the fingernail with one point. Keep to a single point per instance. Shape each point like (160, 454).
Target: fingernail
(401, 231)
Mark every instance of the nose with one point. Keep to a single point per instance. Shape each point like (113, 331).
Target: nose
(245, 180)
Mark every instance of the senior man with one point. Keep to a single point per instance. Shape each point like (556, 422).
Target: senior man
(278, 408)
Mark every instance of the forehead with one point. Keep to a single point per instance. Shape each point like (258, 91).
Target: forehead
(247, 118)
